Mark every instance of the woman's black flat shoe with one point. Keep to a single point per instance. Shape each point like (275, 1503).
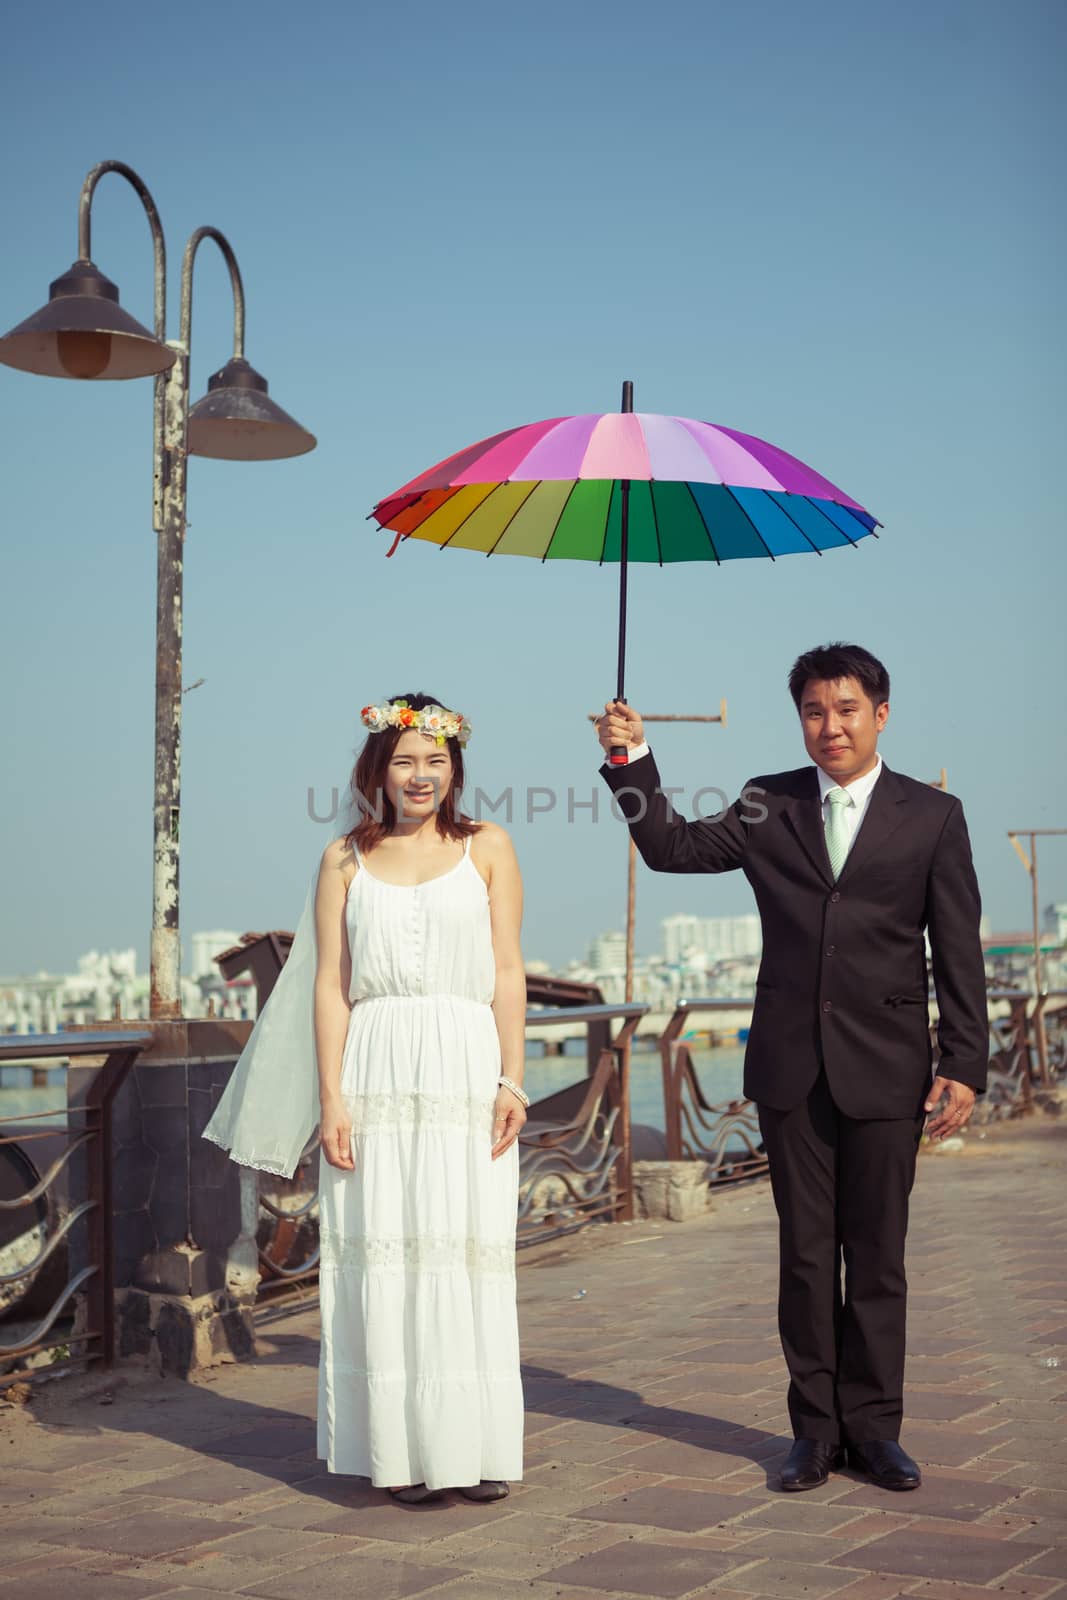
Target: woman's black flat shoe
(488, 1489)
(415, 1494)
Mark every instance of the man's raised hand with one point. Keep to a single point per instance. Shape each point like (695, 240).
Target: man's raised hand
(620, 724)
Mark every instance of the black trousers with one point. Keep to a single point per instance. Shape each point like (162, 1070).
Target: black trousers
(841, 1190)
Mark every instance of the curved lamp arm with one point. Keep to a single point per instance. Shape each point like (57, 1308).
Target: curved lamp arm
(159, 252)
(158, 244)
(195, 241)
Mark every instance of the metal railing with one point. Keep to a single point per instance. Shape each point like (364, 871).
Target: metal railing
(85, 1132)
(1015, 1075)
(726, 1136)
(285, 1230)
(575, 1153)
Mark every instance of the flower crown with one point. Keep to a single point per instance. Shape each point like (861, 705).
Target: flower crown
(436, 721)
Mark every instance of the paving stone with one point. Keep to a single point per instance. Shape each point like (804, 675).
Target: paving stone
(667, 1507)
(645, 1569)
(798, 1513)
(337, 1580)
(682, 1458)
(145, 1534)
(793, 1579)
(84, 1586)
(218, 1482)
(955, 1555)
(1016, 1585)
(384, 1519)
(1053, 1564)
(282, 1440)
(960, 1498)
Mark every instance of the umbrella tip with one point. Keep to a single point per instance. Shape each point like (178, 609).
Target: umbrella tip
(627, 395)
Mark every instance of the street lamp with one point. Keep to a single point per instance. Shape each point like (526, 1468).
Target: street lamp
(82, 332)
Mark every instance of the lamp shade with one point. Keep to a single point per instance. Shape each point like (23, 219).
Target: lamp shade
(238, 421)
(83, 332)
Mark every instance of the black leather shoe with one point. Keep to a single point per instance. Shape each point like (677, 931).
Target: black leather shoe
(885, 1463)
(415, 1494)
(809, 1463)
(488, 1489)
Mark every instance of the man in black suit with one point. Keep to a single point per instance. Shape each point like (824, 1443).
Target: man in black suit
(850, 864)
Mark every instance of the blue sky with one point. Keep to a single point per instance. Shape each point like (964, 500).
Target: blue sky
(838, 227)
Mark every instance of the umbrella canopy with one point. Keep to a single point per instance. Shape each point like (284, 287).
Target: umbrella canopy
(555, 490)
(625, 486)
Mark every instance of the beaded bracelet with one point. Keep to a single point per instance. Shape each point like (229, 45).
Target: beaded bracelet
(520, 1094)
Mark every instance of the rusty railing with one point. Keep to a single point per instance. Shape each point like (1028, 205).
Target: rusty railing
(287, 1238)
(1015, 1077)
(57, 1137)
(575, 1157)
(726, 1136)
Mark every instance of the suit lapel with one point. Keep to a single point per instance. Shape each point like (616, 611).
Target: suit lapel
(884, 815)
(802, 815)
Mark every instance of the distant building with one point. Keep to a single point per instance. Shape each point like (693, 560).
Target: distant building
(107, 985)
(607, 953)
(204, 947)
(715, 938)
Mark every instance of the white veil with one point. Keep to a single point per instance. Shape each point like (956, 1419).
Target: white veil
(270, 1107)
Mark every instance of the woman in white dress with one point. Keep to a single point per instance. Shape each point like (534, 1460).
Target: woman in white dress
(419, 1021)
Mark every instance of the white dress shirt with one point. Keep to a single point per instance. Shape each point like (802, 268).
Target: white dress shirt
(860, 792)
(637, 752)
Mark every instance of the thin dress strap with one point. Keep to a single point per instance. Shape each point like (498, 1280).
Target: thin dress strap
(467, 844)
(355, 851)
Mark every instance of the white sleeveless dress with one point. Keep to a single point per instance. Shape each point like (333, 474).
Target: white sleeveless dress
(419, 1366)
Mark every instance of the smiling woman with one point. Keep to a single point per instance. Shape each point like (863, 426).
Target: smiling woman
(420, 1042)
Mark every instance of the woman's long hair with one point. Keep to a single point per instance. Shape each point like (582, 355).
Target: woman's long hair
(375, 813)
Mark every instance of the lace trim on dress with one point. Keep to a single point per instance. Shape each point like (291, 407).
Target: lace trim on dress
(377, 1113)
(279, 1163)
(426, 1252)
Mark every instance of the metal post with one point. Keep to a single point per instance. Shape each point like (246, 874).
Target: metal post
(171, 442)
(165, 994)
(631, 871)
(1030, 863)
(1039, 1002)
(631, 899)
(169, 414)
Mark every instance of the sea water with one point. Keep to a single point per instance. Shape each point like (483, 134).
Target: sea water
(718, 1071)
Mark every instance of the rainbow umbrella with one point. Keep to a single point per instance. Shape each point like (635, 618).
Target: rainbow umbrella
(625, 486)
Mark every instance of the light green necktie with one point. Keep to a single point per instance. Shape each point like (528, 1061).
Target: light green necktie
(837, 828)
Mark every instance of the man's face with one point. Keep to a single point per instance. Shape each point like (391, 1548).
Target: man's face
(841, 727)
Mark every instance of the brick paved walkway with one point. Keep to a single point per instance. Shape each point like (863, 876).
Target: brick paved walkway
(655, 1397)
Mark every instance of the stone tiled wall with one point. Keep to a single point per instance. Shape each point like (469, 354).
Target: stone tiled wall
(185, 1255)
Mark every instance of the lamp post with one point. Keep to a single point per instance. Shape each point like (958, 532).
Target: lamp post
(82, 332)
(1030, 863)
(631, 869)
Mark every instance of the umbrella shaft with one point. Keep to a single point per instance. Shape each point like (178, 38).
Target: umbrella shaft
(623, 569)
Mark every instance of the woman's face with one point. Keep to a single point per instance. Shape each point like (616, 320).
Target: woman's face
(418, 776)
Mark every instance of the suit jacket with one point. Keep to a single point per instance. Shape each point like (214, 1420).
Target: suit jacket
(843, 979)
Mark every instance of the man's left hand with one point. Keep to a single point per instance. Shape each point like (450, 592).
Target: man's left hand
(956, 1111)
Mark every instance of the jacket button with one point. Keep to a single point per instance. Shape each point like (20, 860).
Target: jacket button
(828, 1005)
(835, 897)
(831, 949)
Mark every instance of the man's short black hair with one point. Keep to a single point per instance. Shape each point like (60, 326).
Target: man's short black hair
(829, 662)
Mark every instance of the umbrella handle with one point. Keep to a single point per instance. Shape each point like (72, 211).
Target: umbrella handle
(619, 755)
